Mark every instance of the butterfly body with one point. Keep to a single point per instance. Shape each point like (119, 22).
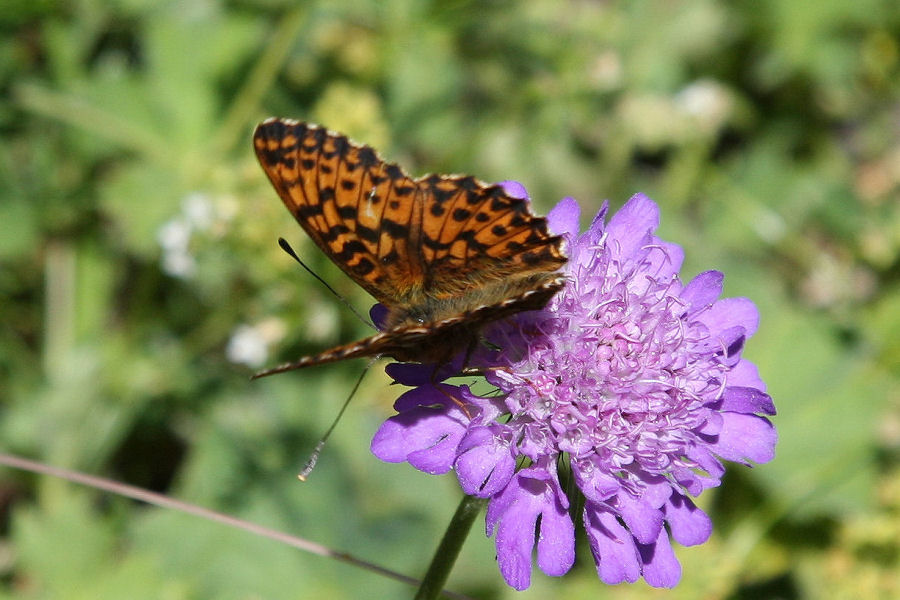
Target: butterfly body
(444, 254)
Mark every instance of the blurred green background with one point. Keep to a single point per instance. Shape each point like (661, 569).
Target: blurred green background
(141, 282)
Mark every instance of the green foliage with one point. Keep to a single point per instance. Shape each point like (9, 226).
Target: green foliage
(137, 238)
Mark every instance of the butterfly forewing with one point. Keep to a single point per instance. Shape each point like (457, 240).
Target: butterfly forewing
(340, 195)
(443, 253)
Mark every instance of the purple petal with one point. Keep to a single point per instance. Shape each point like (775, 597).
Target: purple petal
(426, 395)
(689, 525)
(666, 258)
(702, 291)
(746, 437)
(691, 481)
(594, 482)
(415, 374)
(613, 547)
(556, 542)
(629, 226)
(411, 374)
(483, 410)
(729, 313)
(564, 217)
(712, 425)
(485, 462)
(706, 460)
(425, 433)
(438, 459)
(378, 313)
(656, 261)
(594, 233)
(747, 400)
(499, 504)
(657, 489)
(514, 552)
(745, 374)
(732, 340)
(661, 568)
(642, 520)
(514, 189)
(533, 492)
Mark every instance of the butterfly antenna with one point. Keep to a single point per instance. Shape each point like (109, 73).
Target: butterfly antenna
(314, 457)
(290, 252)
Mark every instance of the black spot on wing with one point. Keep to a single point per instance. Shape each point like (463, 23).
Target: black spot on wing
(367, 233)
(393, 229)
(461, 214)
(390, 258)
(363, 267)
(434, 244)
(394, 172)
(309, 210)
(367, 157)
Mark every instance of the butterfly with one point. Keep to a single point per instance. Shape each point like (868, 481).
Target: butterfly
(445, 255)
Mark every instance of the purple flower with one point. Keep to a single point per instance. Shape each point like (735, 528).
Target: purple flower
(629, 382)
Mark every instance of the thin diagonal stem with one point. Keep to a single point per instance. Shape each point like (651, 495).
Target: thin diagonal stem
(448, 550)
(136, 493)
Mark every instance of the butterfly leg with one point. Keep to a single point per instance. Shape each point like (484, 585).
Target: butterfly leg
(464, 370)
(481, 371)
(434, 379)
(462, 405)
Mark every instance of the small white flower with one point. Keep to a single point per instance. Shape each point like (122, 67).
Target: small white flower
(198, 209)
(178, 263)
(174, 234)
(706, 101)
(249, 344)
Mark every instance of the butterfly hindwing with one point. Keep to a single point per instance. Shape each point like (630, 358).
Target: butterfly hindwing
(431, 341)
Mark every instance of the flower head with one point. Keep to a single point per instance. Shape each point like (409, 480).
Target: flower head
(629, 382)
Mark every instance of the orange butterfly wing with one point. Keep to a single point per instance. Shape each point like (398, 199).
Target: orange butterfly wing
(444, 254)
(400, 238)
(360, 211)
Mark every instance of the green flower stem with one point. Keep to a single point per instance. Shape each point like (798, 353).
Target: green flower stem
(452, 542)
